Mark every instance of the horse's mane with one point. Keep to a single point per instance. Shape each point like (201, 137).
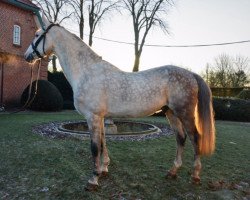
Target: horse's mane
(82, 43)
(74, 36)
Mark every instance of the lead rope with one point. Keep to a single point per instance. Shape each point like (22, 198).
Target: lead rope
(29, 100)
(30, 86)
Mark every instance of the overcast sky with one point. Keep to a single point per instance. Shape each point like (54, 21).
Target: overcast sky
(191, 22)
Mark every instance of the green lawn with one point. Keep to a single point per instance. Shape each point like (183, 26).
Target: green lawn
(37, 167)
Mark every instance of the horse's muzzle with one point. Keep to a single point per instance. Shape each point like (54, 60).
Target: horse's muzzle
(29, 57)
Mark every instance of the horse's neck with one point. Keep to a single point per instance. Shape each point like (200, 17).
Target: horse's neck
(74, 55)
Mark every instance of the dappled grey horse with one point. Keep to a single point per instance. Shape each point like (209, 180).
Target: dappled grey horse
(102, 90)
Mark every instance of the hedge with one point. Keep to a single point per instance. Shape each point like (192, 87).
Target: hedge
(231, 109)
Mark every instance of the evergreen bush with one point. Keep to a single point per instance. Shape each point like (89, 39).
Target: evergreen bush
(59, 80)
(48, 97)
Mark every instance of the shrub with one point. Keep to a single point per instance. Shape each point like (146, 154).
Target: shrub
(244, 94)
(231, 109)
(48, 97)
(59, 80)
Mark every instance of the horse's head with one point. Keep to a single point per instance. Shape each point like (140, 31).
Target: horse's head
(41, 45)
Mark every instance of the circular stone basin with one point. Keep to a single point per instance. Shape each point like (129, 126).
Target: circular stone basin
(119, 128)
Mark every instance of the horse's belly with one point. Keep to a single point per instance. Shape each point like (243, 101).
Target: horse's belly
(136, 108)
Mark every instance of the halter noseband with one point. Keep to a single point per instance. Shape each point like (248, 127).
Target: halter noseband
(42, 36)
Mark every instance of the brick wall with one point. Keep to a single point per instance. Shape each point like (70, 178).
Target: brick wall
(16, 71)
(10, 16)
(17, 76)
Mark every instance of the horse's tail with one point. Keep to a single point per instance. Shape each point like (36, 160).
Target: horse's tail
(204, 118)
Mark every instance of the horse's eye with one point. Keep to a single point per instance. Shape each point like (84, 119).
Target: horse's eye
(36, 35)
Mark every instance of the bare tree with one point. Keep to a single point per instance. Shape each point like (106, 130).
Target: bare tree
(228, 71)
(145, 15)
(241, 71)
(55, 11)
(210, 76)
(223, 67)
(97, 9)
(78, 6)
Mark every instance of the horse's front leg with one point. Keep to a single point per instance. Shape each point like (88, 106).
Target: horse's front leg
(95, 124)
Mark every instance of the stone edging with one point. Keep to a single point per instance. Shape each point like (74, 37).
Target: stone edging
(52, 130)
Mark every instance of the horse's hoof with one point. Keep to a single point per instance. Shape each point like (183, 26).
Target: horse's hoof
(196, 180)
(91, 187)
(104, 174)
(171, 175)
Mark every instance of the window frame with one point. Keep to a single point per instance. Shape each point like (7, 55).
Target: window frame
(17, 35)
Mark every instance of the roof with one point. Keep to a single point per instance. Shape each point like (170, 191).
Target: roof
(24, 4)
(28, 2)
(27, 5)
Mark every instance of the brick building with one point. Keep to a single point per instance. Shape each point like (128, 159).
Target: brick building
(17, 29)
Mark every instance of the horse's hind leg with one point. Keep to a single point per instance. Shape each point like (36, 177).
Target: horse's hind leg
(197, 163)
(194, 136)
(176, 125)
(105, 156)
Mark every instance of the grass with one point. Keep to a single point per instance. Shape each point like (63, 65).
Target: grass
(37, 167)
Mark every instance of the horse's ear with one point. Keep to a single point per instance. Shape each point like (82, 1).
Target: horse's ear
(45, 21)
(37, 22)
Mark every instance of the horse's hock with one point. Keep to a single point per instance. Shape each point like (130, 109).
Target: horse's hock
(114, 130)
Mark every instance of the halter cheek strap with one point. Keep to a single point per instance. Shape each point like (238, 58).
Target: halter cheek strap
(42, 37)
(35, 50)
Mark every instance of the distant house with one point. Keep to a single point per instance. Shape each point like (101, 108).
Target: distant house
(17, 29)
